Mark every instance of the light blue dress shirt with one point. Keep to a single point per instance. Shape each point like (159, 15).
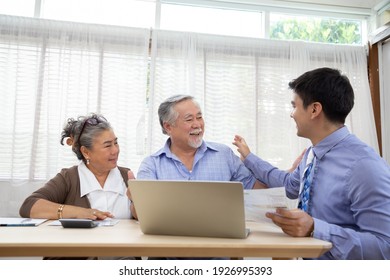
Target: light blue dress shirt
(212, 162)
(349, 195)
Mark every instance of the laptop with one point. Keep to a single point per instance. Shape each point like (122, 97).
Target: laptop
(190, 208)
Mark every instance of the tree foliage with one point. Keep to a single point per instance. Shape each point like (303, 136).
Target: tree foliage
(317, 30)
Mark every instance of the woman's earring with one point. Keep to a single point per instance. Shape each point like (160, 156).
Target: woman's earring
(87, 161)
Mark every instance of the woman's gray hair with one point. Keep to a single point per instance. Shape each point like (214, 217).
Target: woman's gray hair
(89, 127)
(166, 111)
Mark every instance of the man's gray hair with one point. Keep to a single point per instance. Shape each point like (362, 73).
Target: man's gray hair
(166, 111)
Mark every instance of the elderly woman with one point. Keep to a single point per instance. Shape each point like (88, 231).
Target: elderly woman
(95, 188)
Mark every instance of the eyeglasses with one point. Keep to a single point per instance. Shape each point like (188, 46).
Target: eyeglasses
(95, 120)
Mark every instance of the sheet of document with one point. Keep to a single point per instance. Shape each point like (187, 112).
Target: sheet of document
(260, 201)
(20, 222)
(107, 222)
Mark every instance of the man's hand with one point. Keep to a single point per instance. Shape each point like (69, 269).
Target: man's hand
(296, 162)
(294, 222)
(243, 148)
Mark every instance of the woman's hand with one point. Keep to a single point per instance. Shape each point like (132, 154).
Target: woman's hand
(95, 214)
(45, 209)
(75, 212)
(131, 176)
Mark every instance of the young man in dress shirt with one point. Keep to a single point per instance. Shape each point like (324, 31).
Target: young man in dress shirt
(349, 194)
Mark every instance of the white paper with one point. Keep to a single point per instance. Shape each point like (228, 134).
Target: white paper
(20, 222)
(260, 201)
(107, 222)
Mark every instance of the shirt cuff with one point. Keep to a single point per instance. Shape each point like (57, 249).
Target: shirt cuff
(321, 230)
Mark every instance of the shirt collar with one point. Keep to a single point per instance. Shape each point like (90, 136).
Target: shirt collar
(167, 151)
(89, 183)
(330, 141)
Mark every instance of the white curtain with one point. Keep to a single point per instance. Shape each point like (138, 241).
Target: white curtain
(51, 71)
(242, 86)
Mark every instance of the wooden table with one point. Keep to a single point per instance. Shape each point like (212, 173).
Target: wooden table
(126, 239)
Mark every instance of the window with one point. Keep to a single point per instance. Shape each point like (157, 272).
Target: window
(285, 20)
(315, 29)
(17, 7)
(135, 13)
(211, 20)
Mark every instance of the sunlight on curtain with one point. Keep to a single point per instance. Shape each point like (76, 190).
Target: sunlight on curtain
(242, 86)
(50, 71)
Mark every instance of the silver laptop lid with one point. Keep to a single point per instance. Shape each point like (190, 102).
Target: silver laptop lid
(190, 208)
